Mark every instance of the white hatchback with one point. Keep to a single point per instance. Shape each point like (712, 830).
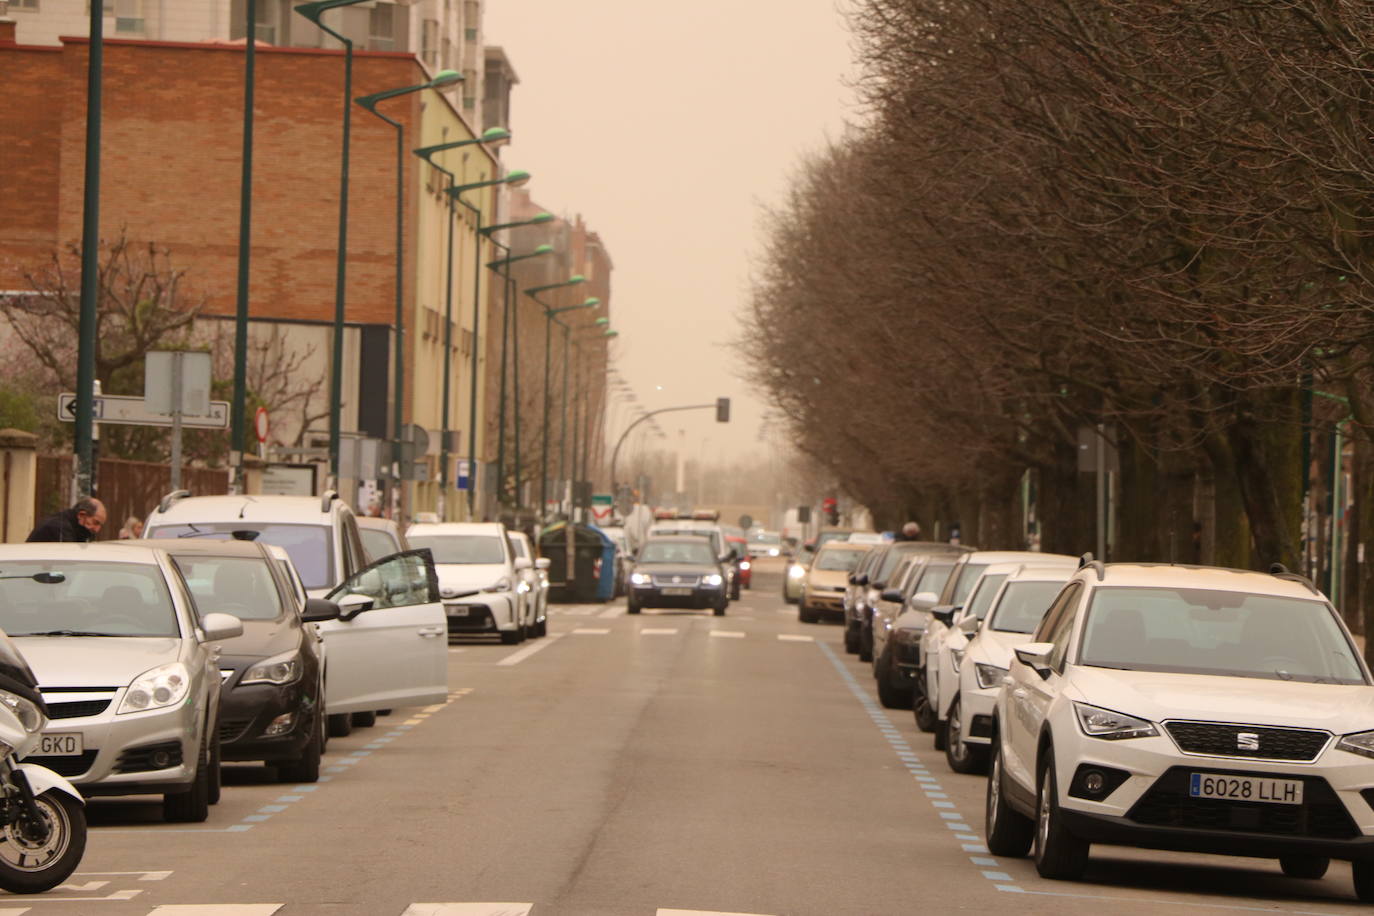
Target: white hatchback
(479, 578)
(1186, 708)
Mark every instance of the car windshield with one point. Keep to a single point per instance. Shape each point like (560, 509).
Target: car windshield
(242, 586)
(695, 552)
(933, 579)
(968, 577)
(771, 540)
(92, 599)
(839, 558)
(517, 547)
(890, 561)
(1212, 631)
(461, 548)
(378, 542)
(1022, 606)
(309, 546)
(982, 596)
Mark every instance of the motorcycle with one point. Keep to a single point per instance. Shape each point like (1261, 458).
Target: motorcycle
(42, 815)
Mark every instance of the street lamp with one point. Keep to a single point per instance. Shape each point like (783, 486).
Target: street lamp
(590, 302)
(427, 153)
(581, 400)
(512, 179)
(313, 11)
(574, 280)
(442, 78)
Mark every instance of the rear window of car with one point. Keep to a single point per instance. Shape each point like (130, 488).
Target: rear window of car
(461, 548)
(378, 543)
(838, 558)
(103, 599)
(242, 586)
(310, 546)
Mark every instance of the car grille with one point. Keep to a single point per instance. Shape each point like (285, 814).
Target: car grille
(232, 729)
(66, 766)
(77, 709)
(140, 759)
(678, 581)
(1168, 804)
(1221, 740)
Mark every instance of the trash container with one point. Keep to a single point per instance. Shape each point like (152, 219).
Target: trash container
(592, 565)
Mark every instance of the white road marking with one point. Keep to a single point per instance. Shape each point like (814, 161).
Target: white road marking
(590, 631)
(454, 650)
(468, 909)
(792, 637)
(14, 912)
(520, 655)
(658, 631)
(726, 634)
(612, 612)
(142, 875)
(82, 888)
(663, 912)
(216, 909)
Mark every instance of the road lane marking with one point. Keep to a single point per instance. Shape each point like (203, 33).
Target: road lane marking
(658, 631)
(82, 888)
(590, 631)
(792, 637)
(216, 909)
(468, 909)
(728, 634)
(662, 912)
(520, 655)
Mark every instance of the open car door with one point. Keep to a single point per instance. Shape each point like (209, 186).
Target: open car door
(389, 646)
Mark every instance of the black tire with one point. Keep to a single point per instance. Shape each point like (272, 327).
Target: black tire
(926, 720)
(306, 767)
(865, 643)
(805, 614)
(61, 849)
(1363, 873)
(193, 805)
(542, 627)
(1059, 855)
(941, 735)
(851, 638)
(632, 608)
(512, 637)
(962, 757)
(735, 590)
(719, 610)
(1308, 867)
(365, 719)
(889, 694)
(340, 725)
(1008, 832)
(216, 774)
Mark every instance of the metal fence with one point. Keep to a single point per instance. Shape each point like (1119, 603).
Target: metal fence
(125, 487)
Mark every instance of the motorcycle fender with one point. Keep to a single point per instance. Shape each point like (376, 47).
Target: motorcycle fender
(41, 779)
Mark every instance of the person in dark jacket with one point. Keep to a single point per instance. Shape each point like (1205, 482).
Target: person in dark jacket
(81, 522)
(911, 531)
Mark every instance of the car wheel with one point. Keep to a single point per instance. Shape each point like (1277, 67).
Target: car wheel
(961, 757)
(851, 639)
(632, 608)
(1300, 866)
(512, 637)
(926, 719)
(889, 694)
(941, 734)
(542, 627)
(1363, 873)
(365, 719)
(216, 785)
(719, 610)
(865, 644)
(193, 805)
(805, 614)
(1058, 854)
(340, 725)
(1009, 832)
(306, 768)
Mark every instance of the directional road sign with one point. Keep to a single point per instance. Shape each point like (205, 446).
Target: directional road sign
(110, 408)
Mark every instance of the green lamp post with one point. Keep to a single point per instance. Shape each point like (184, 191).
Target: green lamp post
(574, 280)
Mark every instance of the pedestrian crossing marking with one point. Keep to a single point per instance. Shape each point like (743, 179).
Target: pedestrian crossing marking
(663, 912)
(216, 909)
(726, 634)
(657, 631)
(468, 909)
(793, 637)
(590, 631)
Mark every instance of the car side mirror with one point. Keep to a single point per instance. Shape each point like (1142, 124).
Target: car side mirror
(892, 594)
(351, 606)
(1036, 656)
(522, 564)
(863, 580)
(969, 624)
(218, 626)
(543, 563)
(944, 613)
(853, 580)
(924, 601)
(318, 610)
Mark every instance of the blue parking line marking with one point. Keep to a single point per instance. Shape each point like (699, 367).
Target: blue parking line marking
(361, 753)
(1009, 887)
(271, 809)
(982, 860)
(996, 876)
(238, 828)
(257, 818)
(305, 788)
(949, 815)
(974, 847)
(334, 770)
(291, 798)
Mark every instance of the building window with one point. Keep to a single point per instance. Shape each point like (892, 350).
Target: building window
(128, 16)
(470, 87)
(429, 44)
(266, 26)
(381, 33)
(27, 5)
(447, 61)
(470, 34)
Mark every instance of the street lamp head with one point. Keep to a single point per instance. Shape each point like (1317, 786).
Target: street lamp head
(517, 178)
(495, 135)
(445, 78)
(314, 10)
(442, 78)
(602, 321)
(610, 333)
(543, 249)
(590, 302)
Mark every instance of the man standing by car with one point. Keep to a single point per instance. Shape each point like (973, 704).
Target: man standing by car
(911, 531)
(81, 522)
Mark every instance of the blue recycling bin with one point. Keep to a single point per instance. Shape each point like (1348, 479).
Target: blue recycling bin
(592, 567)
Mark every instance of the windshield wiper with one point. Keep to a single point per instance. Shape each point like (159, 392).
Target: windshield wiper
(193, 533)
(70, 633)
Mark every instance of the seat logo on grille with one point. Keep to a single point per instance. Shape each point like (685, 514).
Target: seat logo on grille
(677, 580)
(1247, 741)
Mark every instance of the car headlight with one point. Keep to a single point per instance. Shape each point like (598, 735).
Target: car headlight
(501, 585)
(1359, 743)
(957, 657)
(1097, 722)
(27, 711)
(640, 578)
(795, 572)
(743, 564)
(280, 669)
(712, 579)
(157, 688)
(773, 551)
(522, 586)
(988, 675)
(908, 636)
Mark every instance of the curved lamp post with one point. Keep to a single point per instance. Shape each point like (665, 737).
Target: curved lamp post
(442, 78)
(574, 280)
(427, 153)
(582, 431)
(590, 302)
(512, 179)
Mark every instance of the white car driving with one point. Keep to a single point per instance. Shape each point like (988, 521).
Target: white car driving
(479, 578)
(1195, 709)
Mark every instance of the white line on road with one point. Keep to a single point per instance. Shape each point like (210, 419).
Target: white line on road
(663, 912)
(590, 631)
(14, 912)
(468, 909)
(726, 634)
(216, 909)
(520, 655)
(792, 637)
(82, 888)
(612, 612)
(657, 631)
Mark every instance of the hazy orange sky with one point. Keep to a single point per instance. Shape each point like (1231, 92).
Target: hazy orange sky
(669, 127)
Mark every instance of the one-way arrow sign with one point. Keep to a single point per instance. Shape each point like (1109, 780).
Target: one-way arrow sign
(129, 411)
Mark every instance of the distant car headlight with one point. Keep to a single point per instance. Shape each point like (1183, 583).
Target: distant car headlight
(156, 688)
(988, 675)
(1361, 743)
(743, 564)
(282, 669)
(795, 572)
(713, 579)
(640, 578)
(772, 551)
(28, 713)
(501, 585)
(1097, 722)
(522, 586)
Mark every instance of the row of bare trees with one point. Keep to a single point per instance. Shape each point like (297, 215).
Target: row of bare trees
(1146, 213)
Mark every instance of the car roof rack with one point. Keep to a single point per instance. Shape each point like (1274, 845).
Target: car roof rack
(166, 502)
(1279, 571)
(1097, 565)
(328, 497)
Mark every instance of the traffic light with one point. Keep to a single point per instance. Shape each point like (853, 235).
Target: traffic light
(831, 507)
(722, 410)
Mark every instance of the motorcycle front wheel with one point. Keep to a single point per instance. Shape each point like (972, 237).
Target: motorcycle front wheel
(30, 864)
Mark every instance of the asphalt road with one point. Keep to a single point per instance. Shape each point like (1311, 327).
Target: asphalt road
(667, 764)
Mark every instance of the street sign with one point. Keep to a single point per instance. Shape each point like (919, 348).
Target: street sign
(165, 371)
(127, 411)
(602, 505)
(260, 423)
(464, 474)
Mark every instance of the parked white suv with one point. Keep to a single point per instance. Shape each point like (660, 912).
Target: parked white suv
(479, 578)
(1188, 708)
